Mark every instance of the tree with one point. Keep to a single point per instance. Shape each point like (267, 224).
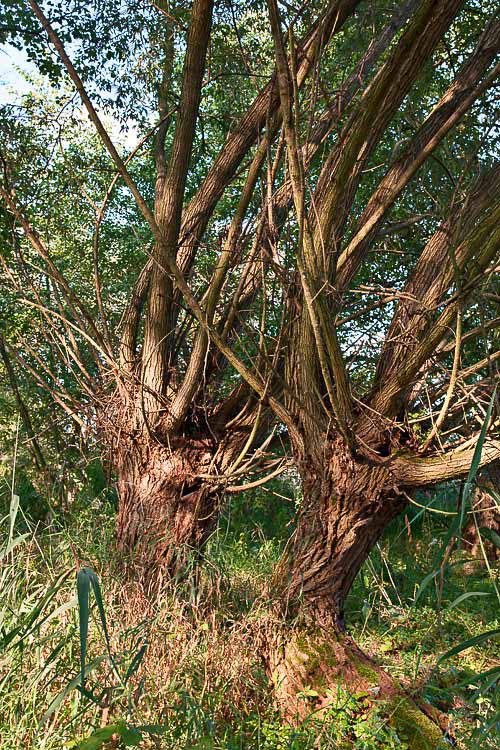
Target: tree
(358, 453)
(176, 431)
(350, 201)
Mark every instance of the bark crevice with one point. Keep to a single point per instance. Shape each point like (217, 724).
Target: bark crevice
(167, 509)
(347, 504)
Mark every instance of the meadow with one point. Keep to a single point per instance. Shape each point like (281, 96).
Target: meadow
(182, 671)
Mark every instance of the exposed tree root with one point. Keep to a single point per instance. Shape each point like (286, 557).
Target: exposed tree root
(311, 670)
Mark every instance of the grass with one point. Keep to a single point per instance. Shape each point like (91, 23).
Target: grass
(184, 672)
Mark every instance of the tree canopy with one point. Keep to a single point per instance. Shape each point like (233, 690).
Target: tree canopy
(295, 263)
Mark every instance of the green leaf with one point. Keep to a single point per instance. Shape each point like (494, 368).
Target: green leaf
(100, 605)
(32, 621)
(13, 510)
(153, 728)
(85, 581)
(469, 643)
(99, 737)
(72, 684)
(131, 736)
(465, 596)
(135, 663)
(490, 535)
(428, 578)
(13, 543)
(83, 592)
(458, 521)
(476, 459)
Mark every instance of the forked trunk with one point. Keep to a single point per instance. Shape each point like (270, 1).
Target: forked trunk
(167, 511)
(347, 504)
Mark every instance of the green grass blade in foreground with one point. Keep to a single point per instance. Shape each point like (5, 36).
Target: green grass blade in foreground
(458, 521)
(72, 684)
(83, 592)
(135, 663)
(463, 597)
(12, 542)
(476, 459)
(431, 576)
(87, 580)
(13, 511)
(32, 621)
(485, 679)
(468, 644)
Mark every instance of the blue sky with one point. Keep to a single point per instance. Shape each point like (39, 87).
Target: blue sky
(14, 62)
(12, 82)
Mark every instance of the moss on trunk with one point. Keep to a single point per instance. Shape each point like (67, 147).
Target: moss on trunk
(315, 671)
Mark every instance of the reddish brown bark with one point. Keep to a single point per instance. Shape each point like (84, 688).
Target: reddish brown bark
(166, 510)
(313, 670)
(347, 504)
(170, 484)
(308, 658)
(487, 515)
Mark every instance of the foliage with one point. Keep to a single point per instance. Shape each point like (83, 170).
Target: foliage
(179, 678)
(358, 331)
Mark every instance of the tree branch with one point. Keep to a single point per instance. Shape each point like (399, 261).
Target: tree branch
(422, 472)
(452, 106)
(341, 172)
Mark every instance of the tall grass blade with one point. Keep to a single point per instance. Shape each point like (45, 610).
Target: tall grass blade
(72, 684)
(458, 521)
(100, 606)
(476, 640)
(463, 597)
(83, 592)
(135, 663)
(13, 510)
(86, 582)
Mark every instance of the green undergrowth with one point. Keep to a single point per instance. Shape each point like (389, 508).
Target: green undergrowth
(186, 673)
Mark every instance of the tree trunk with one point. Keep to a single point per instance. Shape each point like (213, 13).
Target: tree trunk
(314, 670)
(347, 504)
(167, 511)
(487, 515)
(170, 482)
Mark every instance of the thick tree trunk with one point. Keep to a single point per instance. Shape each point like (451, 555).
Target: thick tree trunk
(347, 504)
(167, 511)
(170, 482)
(314, 670)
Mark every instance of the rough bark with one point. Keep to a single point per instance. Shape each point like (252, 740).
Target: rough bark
(487, 515)
(347, 504)
(171, 484)
(311, 661)
(169, 195)
(166, 510)
(313, 671)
